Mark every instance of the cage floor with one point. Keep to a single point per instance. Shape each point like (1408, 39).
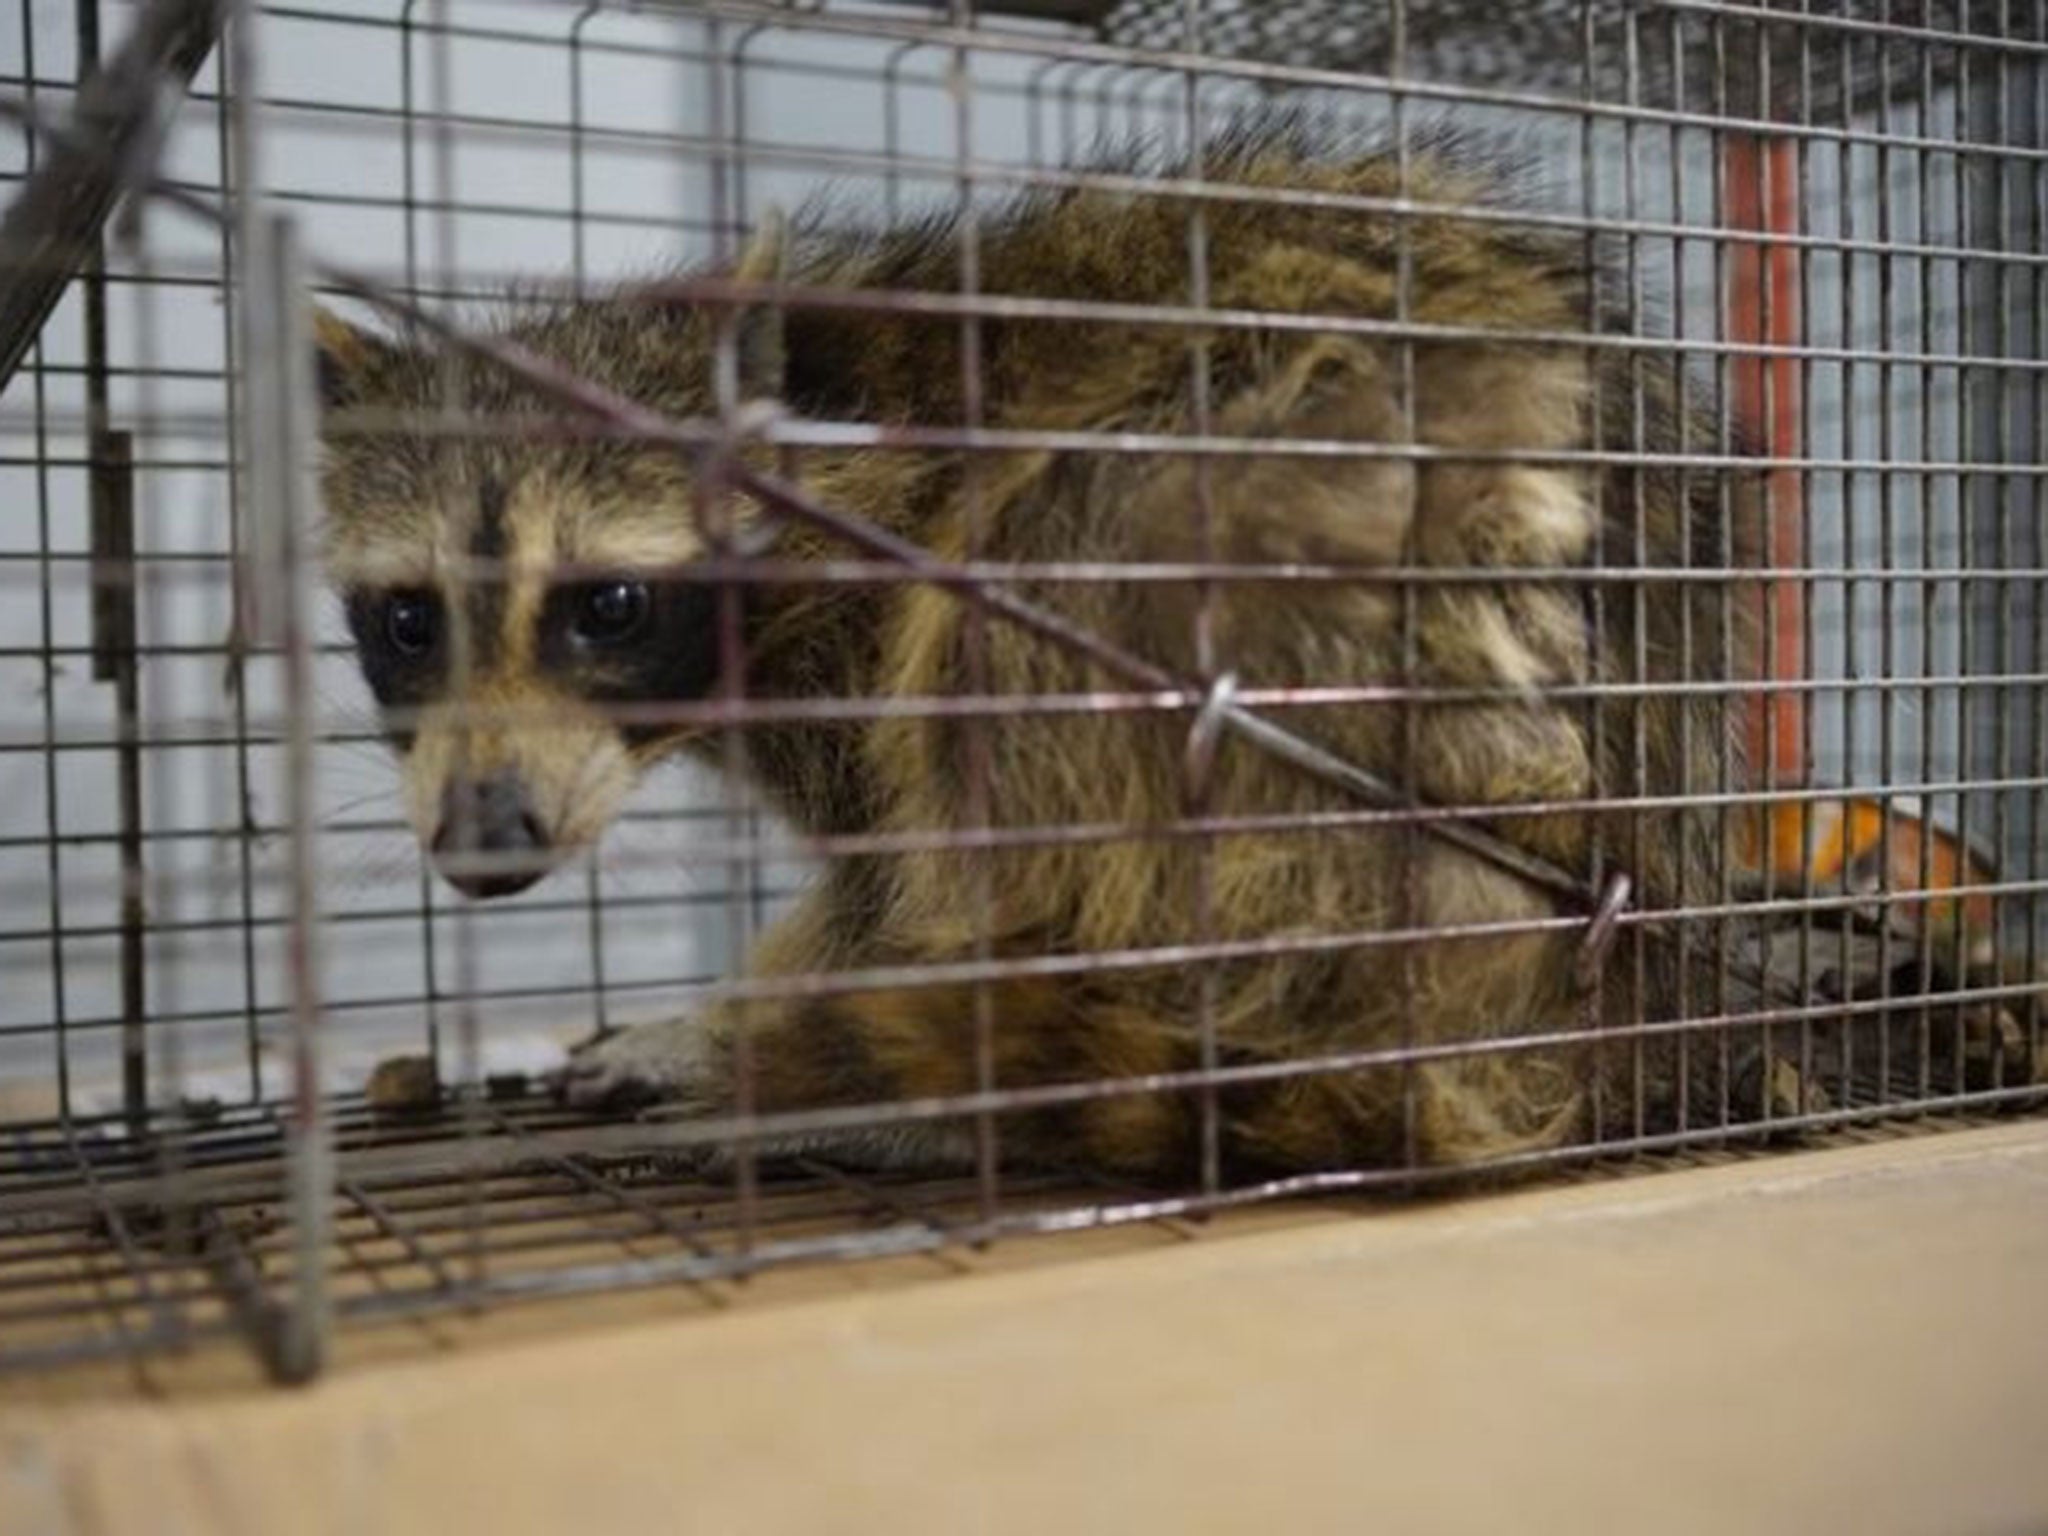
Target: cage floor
(108, 1249)
(111, 1250)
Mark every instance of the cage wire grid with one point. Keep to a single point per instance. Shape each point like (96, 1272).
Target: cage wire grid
(215, 935)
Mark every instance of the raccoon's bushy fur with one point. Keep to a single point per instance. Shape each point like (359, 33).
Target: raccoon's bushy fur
(414, 503)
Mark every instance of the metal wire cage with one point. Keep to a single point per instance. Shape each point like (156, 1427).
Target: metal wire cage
(261, 1073)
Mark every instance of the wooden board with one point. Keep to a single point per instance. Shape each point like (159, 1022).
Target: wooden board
(1844, 1340)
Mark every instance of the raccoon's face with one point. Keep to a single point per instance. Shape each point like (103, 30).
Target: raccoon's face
(518, 612)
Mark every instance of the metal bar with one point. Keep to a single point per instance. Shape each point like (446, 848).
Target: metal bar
(1208, 1108)
(166, 1321)
(2036, 421)
(414, 283)
(879, 1197)
(827, 572)
(55, 221)
(974, 635)
(1594, 1003)
(1796, 193)
(282, 493)
(240, 186)
(114, 660)
(238, 1279)
(46, 664)
(2004, 550)
(712, 508)
(1638, 553)
(378, 1212)
(584, 1176)
(579, 214)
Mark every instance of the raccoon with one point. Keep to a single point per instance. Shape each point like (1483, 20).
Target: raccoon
(577, 606)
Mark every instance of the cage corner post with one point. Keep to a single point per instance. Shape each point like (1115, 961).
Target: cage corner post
(280, 430)
(277, 410)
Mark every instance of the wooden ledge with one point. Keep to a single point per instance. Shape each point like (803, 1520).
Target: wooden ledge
(1836, 1341)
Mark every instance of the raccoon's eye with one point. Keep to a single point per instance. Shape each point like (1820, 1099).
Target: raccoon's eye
(611, 612)
(412, 622)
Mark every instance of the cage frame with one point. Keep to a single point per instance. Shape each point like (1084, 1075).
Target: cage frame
(276, 278)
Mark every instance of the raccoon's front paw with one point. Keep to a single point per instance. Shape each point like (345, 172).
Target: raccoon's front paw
(628, 1069)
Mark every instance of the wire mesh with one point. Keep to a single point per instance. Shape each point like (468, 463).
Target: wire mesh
(1035, 885)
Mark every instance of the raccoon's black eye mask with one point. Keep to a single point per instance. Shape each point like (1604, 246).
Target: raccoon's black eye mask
(609, 615)
(620, 640)
(614, 640)
(399, 636)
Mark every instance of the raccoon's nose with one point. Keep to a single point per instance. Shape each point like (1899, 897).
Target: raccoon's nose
(490, 843)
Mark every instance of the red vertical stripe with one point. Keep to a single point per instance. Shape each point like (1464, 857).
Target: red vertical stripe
(1761, 187)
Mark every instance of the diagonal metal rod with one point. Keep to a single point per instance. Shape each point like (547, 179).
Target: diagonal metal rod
(122, 113)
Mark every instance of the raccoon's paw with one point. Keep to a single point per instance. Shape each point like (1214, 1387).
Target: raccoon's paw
(624, 1070)
(675, 1064)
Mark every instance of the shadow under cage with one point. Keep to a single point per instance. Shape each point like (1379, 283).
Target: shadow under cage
(1017, 617)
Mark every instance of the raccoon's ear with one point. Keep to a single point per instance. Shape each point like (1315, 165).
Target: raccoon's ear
(763, 351)
(345, 354)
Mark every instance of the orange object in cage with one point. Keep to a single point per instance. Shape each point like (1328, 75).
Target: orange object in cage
(1833, 846)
